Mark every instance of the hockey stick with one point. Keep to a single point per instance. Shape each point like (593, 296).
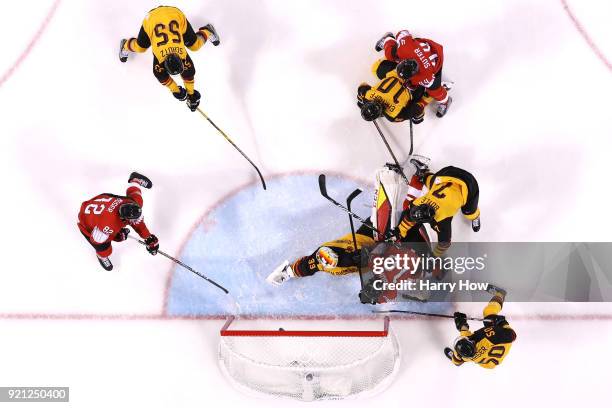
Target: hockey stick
(349, 199)
(391, 151)
(189, 268)
(263, 182)
(411, 139)
(323, 189)
(424, 314)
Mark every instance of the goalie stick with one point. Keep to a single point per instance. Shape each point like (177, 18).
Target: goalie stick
(349, 199)
(263, 182)
(189, 268)
(323, 189)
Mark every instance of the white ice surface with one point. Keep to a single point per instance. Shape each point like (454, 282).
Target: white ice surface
(530, 120)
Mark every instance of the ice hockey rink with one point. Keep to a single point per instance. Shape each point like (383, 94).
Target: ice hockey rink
(530, 120)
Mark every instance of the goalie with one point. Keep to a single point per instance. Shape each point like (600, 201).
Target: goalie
(340, 257)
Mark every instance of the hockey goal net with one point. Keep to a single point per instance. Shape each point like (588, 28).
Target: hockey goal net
(309, 365)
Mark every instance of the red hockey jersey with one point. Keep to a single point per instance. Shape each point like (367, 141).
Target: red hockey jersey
(99, 219)
(428, 54)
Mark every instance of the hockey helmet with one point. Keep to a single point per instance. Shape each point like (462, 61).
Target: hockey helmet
(371, 110)
(407, 68)
(422, 213)
(130, 211)
(465, 347)
(173, 64)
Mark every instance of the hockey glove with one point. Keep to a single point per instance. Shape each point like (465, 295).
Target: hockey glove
(461, 321)
(361, 91)
(122, 235)
(416, 113)
(152, 244)
(369, 295)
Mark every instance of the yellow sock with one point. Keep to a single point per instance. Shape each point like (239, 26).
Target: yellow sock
(189, 86)
(170, 84)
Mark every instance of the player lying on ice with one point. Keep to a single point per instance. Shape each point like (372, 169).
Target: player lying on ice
(169, 33)
(105, 218)
(428, 198)
(489, 345)
(419, 62)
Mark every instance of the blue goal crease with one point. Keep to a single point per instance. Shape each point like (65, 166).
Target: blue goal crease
(252, 233)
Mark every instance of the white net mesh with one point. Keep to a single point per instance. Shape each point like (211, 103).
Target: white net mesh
(310, 368)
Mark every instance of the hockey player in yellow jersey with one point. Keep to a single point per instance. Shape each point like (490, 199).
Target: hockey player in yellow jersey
(168, 32)
(488, 346)
(450, 189)
(390, 97)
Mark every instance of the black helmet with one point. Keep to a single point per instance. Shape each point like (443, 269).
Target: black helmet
(465, 347)
(371, 110)
(422, 213)
(407, 68)
(130, 211)
(173, 64)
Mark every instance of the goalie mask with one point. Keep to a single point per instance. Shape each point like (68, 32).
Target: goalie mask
(407, 68)
(422, 213)
(465, 347)
(130, 211)
(173, 64)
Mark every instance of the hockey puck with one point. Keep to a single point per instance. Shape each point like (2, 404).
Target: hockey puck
(309, 377)
(281, 329)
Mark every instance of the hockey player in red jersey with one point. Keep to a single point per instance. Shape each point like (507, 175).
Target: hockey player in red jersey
(420, 62)
(105, 218)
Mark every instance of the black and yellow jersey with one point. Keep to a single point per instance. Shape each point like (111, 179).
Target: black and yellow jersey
(492, 344)
(451, 189)
(391, 93)
(167, 31)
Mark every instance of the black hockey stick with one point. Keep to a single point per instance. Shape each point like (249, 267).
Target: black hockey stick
(263, 182)
(401, 171)
(411, 139)
(424, 314)
(189, 268)
(323, 189)
(349, 199)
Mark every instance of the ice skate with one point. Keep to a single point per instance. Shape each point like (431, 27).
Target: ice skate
(123, 55)
(476, 224)
(281, 274)
(212, 34)
(496, 291)
(140, 179)
(105, 262)
(443, 107)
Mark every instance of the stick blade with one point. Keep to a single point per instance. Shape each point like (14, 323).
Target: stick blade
(352, 196)
(322, 185)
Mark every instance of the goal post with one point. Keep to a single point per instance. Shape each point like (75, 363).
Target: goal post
(309, 364)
